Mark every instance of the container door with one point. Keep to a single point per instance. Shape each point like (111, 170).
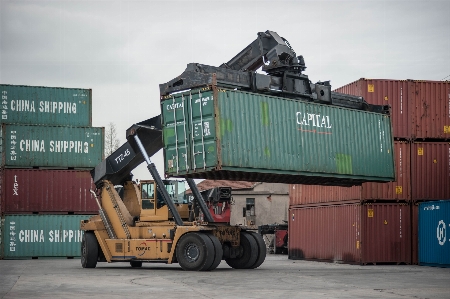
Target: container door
(176, 134)
(203, 130)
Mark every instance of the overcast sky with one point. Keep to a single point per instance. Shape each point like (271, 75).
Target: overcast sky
(124, 49)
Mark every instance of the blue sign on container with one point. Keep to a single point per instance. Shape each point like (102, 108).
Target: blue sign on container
(434, 233)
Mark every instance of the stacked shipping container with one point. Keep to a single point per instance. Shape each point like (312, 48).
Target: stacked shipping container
(421, 128)
(48, 146)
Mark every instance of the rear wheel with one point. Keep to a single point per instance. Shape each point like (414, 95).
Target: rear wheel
(262, 251)
(195, 252)
(249, 253)
(136, 264)
(218, 252)
(89, 250)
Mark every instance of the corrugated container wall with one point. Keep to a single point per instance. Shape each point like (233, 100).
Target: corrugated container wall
(45, 146)
(351, 233)
(39, 105)
(434, 239)
(430, 113)
(420, 109)
(430, 175)
(401, 188)
(235, 135)
(26, 236)
(385, 92)
(310, 194)
(46, 191)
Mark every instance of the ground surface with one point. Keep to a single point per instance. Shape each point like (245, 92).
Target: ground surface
(277, 277)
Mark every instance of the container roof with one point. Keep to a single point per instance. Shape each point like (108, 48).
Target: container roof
(235, 185)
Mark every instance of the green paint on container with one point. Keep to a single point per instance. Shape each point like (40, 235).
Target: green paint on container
(49, 146)
(266, 138)
(265, 113)
(38, 105)
(344, 164)
(26, 236)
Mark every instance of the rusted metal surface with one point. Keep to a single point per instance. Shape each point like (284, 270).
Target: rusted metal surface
(310, 194)
(386, 233)
(385, 92)
(351, 233)
(401, 188)
(420, 109)
(430, 172)
(47, 191)
(429, 112)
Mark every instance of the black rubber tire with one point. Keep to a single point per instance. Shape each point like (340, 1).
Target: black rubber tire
(195, 252)
(136, 264)
(89, 250)
(218, 252)
(249, 253)
(262, 250)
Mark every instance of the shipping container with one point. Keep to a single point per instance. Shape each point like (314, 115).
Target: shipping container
(48, 146)
(399, 190)
(235, 135)
(434, 233)
(351, 233)
(38, 105)
(420, 109)
(27, 236)
(430, 174)
(310, 194)
(46, 191)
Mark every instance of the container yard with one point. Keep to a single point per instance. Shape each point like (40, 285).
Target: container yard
(50, 146)
(272, 133)
(38, 105)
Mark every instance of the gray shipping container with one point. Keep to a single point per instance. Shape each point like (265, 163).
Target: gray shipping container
(56, 147)
(235, 135)
(39, 105)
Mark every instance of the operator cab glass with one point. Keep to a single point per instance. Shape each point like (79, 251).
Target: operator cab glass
(148, 195)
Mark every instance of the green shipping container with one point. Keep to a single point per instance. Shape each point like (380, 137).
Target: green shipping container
(56, 147)
(26, 236)
(39, 105)
(235, 135)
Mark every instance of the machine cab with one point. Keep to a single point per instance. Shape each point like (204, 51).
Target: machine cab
(153, 206)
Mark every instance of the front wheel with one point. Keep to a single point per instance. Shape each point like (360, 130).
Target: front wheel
(89, 250)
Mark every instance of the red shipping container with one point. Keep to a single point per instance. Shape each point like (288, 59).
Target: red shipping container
(420, 109)
(351, 233)
(46, 191)
(401, 188)
(385, 92)
(311, 194)
(429, 109)
(430, 170)
(415, 233)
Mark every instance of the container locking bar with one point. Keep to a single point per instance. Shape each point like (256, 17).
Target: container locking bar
(159, 183)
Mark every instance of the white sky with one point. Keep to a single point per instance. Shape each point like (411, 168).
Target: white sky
(123, 50)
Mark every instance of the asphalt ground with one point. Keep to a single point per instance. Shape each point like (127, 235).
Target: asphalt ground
(277, 277)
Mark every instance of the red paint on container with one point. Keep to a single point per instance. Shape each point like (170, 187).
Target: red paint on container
(429, 109)
(401, 188)
(351, 233)
(430, 172)
(46, 191)
(419, 109)
(385, 92)
(311, 194)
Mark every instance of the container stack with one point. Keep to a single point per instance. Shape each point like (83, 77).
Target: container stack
(382, 226)
(48, 146)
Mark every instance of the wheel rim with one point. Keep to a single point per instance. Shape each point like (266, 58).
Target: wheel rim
(191, 252)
